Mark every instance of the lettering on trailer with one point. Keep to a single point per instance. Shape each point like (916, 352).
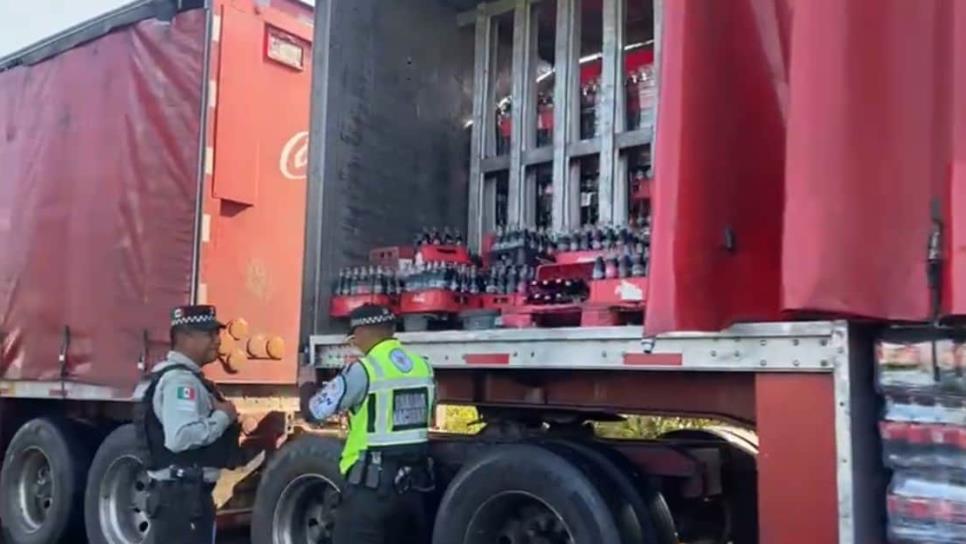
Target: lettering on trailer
(294, 160)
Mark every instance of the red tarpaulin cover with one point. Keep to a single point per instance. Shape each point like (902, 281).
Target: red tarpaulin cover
(814, 135)
(98, 175)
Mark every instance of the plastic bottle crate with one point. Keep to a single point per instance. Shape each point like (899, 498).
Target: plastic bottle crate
(342, 306)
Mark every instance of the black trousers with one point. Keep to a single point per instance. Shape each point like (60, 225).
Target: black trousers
(181, 512)
(380, 516)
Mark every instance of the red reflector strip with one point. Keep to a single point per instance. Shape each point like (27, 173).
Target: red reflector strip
(487, 359)
(653, 359)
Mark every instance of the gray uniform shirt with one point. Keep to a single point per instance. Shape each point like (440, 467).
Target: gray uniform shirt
(186, 410)
(344, 392)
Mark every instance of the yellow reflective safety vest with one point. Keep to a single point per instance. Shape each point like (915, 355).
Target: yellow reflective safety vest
(398, 406)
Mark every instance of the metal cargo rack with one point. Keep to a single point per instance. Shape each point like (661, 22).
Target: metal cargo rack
(567, 146)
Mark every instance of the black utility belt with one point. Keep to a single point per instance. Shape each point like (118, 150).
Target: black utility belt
(375, 470)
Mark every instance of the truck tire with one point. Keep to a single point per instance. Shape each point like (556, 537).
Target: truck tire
(42, 483)
(298, 493)
(520, 494)
(117, 489)
(642, 515)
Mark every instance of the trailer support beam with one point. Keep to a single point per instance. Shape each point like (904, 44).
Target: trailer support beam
(565, 191)
(482, 67)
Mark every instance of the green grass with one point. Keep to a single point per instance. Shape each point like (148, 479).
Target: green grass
(648, 427)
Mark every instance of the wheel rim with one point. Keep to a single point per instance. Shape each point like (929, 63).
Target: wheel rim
(305, 511)
(122, 502)
(35, 489)
(517, 517)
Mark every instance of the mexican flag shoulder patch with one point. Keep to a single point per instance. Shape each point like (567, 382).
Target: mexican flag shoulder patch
(186, 392)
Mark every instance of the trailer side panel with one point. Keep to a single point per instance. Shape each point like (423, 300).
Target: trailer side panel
(99, 147)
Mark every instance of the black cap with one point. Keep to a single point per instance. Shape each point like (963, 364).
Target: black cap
(201, 317)
(370, 314)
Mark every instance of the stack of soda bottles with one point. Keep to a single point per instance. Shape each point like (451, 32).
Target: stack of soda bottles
(589, 102)
(503, 127)
(921, 375)
(641, 90)
(521, 246)
(544, 119)
(457, 278)
(367, 280)
(437, 237)
(558, 291)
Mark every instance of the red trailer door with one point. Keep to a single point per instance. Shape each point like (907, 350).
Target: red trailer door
(800, 149)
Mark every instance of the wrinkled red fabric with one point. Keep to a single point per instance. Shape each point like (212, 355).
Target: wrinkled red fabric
(98, 176)
(821, 133)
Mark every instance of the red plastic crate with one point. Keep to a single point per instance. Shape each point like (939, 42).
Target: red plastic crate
(391, 256)
(433, 301)
(549, 316)
(575, 271)
(444, 254)
(619, 292)
(342, 306)
(586, 257)
(498, 302)
(641, 191)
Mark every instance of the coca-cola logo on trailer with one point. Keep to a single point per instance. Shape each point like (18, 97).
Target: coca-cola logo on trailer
(293, 163)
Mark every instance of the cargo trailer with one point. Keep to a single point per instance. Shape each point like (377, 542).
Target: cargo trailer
(801, 202)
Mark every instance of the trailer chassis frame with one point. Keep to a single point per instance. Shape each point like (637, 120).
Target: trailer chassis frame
(806, 386)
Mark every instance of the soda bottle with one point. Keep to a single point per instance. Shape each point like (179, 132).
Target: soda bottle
(513, 276)
(599, 269)
(338, 283)
(638, 269)
(624, 266)
(610, 268)
(453, 284)
(435, 238)
(521, 287)
(379, 282)
(596, 239)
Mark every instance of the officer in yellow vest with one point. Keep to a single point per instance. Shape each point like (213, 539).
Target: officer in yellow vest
(389, 394)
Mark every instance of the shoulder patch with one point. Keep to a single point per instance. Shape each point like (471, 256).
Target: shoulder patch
(400, 360)
(187, 392)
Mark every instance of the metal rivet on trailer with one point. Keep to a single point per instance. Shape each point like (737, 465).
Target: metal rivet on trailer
(796, 363)
(823, 342)
(714, 353)
(737, 353)
(603, 354)
(532, 355)
(763, 342)
(763, 362)
(824, 362)
(795, 341)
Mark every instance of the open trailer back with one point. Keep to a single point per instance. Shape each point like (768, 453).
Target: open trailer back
(782, 170)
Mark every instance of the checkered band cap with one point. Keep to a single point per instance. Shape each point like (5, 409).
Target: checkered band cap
(370, 314)
(196, 316)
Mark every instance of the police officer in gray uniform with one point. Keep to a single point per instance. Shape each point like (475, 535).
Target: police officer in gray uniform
(188, 432)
